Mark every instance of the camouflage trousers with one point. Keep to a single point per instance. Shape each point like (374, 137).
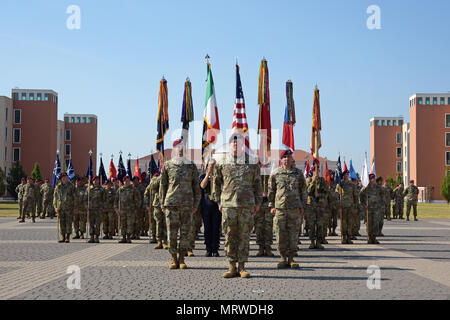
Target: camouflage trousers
(29, 206)
(47, 208)
(408, 208)
(264, 227)
(334, 217)
(20, 208)
(127, 222)
(381, 215)
(139, 221)
(287, 224)
(315, 215)
(39, 207)
(145, 222)
(79, 221)
(398, 209)
(237, 223)
(154, 224)
(108, 218)
(357, 224)
(161, 228)
(95, 219)
(178, 219)
(348, 221)
(65, 221)
(327, 220)
(373, 225)
(387, 211)
(196, 225)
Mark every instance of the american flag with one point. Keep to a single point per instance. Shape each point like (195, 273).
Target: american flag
(239, 117)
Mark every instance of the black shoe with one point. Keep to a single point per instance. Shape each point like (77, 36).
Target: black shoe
(215, 254)
(208, 254)
(415, 219)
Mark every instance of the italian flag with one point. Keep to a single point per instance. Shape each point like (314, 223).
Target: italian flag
(211, 126)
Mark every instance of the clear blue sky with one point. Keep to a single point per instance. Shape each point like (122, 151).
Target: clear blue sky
(112, 66)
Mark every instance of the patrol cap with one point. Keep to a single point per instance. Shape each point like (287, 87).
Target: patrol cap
(411, 181)
(63, 175)
(285, 153)
(177, 142)
(136, 177)
(235, 136)
(23, 179)
(46, 180)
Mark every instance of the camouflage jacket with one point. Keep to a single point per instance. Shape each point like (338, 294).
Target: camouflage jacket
(151, 194)
(64, 197)
(287, 189)
(30, 192)
(334, 195)
(127, 199)
(398, 194)
(96, 197)
(141, 188)
(388, 195)
(373, 195)
(47, 192)
(237, 183)
(110, 197)
(265, 185)
(322, 188)
(349, 194)
(411, 193)
(19, 191)
(179, 184)
(81, 198)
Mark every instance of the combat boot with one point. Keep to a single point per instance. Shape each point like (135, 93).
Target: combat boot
(82, 235)
(370, 240)
(318, 245)
(106, 236)
(375, 241)
(344, 239)
(292, 263)
(190, 253)
(324, 241)
(268, 252)
(260, 251)
(128, 238)
(334, 232)
(312, 245)
(232, 271)
(407, 218)
(124, 239)
(76, 236)
(63, 239)
(415, 218)
(68, 238)
(91, 239)
(242, 272)
(42, 217)
(165, 246)
(22, 221)
(137, 237)
(33, 219)
(153, 240)
(283, 263)
(181, 262)
(159, 245)
(349, 241)
(96, 239)
(174, 262)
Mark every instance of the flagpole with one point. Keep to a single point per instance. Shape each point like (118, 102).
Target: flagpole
(89, 187)
(57, 216)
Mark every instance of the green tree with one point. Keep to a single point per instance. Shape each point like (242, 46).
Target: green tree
(36, 173)
(15, 174)
(2, 182)
(445, 186)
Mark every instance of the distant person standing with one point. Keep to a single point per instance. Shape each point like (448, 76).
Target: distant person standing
(411, 193)
(372, 199)
(47, 199)
(398, 201)
(29, 200)
(19, 191)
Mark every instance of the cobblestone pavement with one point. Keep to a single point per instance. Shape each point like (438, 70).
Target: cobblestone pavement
(413, 257)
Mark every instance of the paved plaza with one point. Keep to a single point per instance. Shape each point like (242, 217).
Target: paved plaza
(413, 257)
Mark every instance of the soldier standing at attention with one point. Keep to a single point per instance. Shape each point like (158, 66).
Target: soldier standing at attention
(382, 209)
(116, 186)
(47, 199)
(37, 188)
(64, 201)
(398, 201)
(151, 198)
(128, 201)
(19, 191)
(179, 194)
(360, 213)
(145, 222)
(317, 190)
(96, 203)
(388, 196)
(29, 199)
(334, 206)
(139, 219)
(264, 223)
(108, 214)
(372, 200)
(411, 193)
(348, 207)
(80, 217)
(237, 191)
(287, 196)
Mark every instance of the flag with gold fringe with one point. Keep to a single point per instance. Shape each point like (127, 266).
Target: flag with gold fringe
(163, 116)
(264, 124)
(289, 117)
(187, 110)
(316, 127)
(211, 125)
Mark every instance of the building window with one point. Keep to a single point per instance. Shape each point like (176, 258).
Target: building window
(394, 122)
(90, 120)
(434, 100)
(420, 100)
(447, 120)
(16, 135)
(377, 123)
(447, 157)
(83, 120)
(399, 137)
(39, 97)
(31, 97)
(6, 134)
(72, 119)
(447, 139)
(24, 96)
(16, 154)
(399, 167)
(16, 96)
(6, 114)
(67, 150)
(442, 100)
(405, 152)
(17, 116)
(388, 123)
(78, 119)
(46, 97)
(427, 100)
(66, 119)
(68, 135)
(448, 101)
(382, 122)
(400, 122)
(399, 152)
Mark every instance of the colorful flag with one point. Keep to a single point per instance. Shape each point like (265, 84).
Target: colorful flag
(352, 172)
(112, 170)
(239, 124)
(316, 127)
(152, 168)
(264, 124)
(365, 174)
(121, 171)
(345, 167)
(90, 171)
(163, 116)
(289, 117)
(187, 110)
(70, 171)
(327, 174)
(56, 171)
(211, 126)
(307, 169)
(137, 172)
(338, 173)
(372, 170)
(129, 168)
(102, 172)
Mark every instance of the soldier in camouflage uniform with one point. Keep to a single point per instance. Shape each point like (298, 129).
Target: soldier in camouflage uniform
(388, 196)
(108, 213)
(264, 224)
(398, 201)
(64, 201)
(372, 200)
(38, 186)
(179, 193)
(145, 217)
(327, 215)
(19, 191)
(411, 193)
(349, 202)
(196, 225)
(379, 181)
(151, 199)
(47, 199)
(317, 190)
(139, 221)
(29, 199)
(287, 195)
(128, 201)
(80, 217)
(238, 192)
(334, 206)
(116, 186)
(360, 212)
(96, 195)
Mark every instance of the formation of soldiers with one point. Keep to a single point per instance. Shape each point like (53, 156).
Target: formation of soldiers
(168, 209)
